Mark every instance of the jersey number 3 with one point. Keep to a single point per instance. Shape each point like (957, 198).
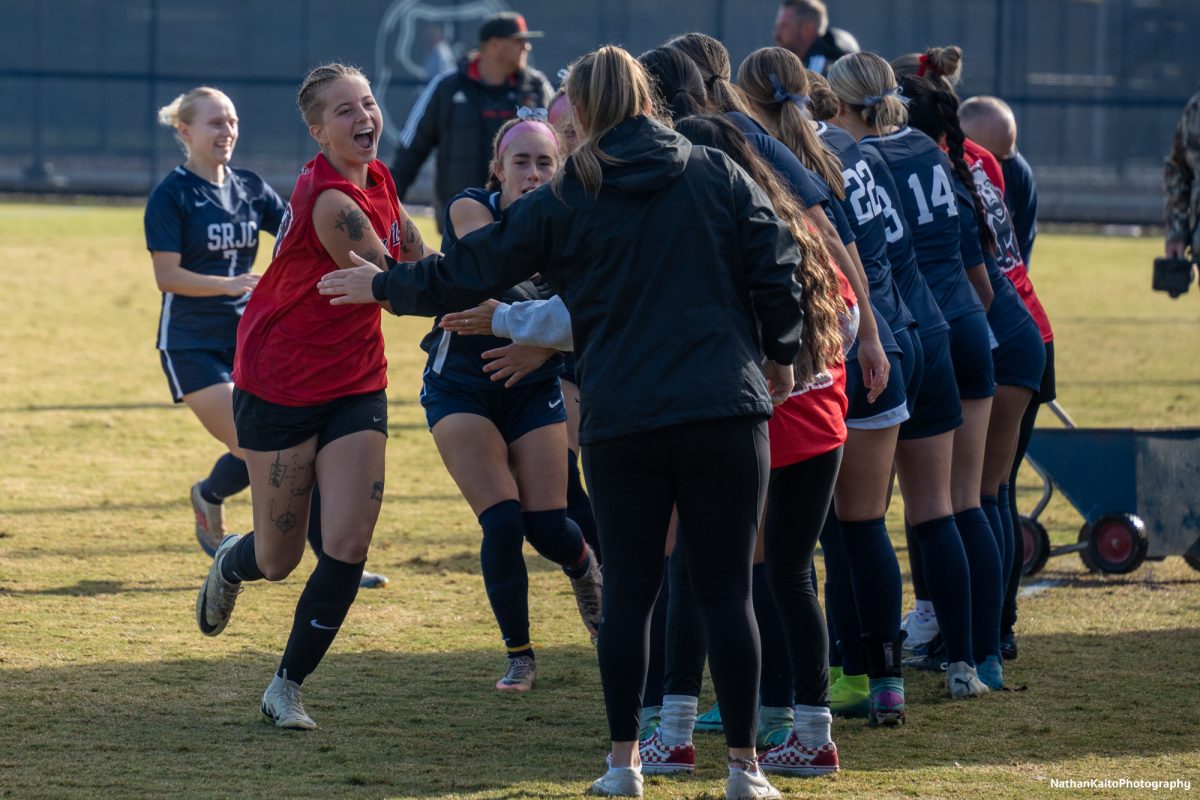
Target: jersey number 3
(941, 195)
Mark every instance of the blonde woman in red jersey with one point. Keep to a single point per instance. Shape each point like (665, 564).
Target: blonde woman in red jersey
(309, 380)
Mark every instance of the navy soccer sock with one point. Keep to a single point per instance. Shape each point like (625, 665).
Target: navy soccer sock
(579, 506)
(840, 611)
(322, 608)
(775, 684)
(653, 695)
(504, 575)
(875, 573)
(987, 592)
(1008, 554)
(240, 564)
(948, 579)
(228, 477)
(556, 537)
(991, 509)
(916, 564)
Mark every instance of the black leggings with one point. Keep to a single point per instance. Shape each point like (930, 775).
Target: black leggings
(1008, 616)
(715, 472)
(798, 501)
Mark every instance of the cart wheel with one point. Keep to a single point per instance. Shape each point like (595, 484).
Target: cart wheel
(1037, 546)
(1085, 533)
(1118, 543)
(1193, 562)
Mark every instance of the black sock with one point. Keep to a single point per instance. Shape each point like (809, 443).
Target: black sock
(775, 683)
(915, 565)
(579, 506)
(949, 580)
(239, 563)
(875, 576)
(322, 608)
(228, 477)
(556, 537)
(504, 575)
(987, 591)
(314, 522)
(841, 613)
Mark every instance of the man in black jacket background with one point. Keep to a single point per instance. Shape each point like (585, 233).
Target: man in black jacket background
(460, 111)
(802, 26)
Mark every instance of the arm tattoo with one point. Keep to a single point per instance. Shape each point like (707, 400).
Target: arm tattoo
(412, 244)
(372, 255)
(377, 491)
(353, 221)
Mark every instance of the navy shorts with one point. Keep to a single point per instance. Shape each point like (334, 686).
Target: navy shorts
(971, 354)
(1021, 359)
(515, 412)
(890, 408)
(937, 409)
(265, 427)
(912, 363)
(190, 371)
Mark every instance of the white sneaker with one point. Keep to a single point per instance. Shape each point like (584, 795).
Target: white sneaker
(589, 595)
(210, 521)
(963, 681)
(372, 580)
(520, 675)
(281, 705)
(619, 782)
(921, 626)
(745, 785)
(214, 603)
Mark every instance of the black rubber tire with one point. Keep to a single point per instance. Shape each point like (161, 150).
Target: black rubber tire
(1118, 543)
(1037, 546)
(1085, 533)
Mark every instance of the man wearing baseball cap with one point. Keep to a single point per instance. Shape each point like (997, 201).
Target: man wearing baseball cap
(461, 110)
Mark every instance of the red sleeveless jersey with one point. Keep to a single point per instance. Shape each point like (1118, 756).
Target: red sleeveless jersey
(812, 421)
(293, 347)
(1009, 254)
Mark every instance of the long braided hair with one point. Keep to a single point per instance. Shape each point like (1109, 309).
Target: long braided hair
(933, 110)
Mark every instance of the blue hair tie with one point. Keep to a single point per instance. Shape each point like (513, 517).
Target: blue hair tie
(876, 99)
(537, 114)
(781, 96)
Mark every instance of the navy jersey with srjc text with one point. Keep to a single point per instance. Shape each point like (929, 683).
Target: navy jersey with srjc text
(215, 231)
(922, 174)
(901, 254)
(865, 212)
(460, 358)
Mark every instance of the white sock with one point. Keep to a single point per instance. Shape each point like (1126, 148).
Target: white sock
(678, 719)
(812, 725)
(925, 608)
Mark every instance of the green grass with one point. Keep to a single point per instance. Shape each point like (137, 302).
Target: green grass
(108, 690)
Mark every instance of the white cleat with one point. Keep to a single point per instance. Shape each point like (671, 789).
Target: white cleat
(214, 603)
(281, 705)
(963, 681)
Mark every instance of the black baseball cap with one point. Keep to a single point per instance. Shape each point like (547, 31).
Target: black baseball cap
(506, 25)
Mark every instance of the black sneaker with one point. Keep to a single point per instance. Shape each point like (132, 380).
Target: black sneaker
(1008, 646)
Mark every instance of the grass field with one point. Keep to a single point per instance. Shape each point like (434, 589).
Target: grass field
(108, 690)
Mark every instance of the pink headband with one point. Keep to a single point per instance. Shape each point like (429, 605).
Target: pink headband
(526, 126)
(559, 109)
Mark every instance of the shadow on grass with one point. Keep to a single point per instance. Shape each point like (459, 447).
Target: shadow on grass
(92, 588)
(430, 724)
(166, 505)
(34, 408)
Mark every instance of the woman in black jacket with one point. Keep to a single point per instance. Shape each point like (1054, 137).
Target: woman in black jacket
(679, 279)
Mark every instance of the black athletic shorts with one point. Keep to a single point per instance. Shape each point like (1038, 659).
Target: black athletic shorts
(264, 427)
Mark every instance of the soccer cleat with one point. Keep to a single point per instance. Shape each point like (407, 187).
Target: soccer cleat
(662, 759)
(930, 657)
(589, 595)
(921, 626)
(281, 705)
(520, 675)
(886, 702)
(1008, 646)
(372, 580)
(710, 721)
(650, 720)
(774, 723)
(210, 521)
(850, 696)
(745, 785)
(963, 681)
(214, 603)
(618, 782)
(793, 758)
(991, 672)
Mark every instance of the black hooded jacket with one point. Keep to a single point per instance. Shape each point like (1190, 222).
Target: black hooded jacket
(678, 276)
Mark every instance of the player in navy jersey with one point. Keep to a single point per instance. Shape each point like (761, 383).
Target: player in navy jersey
(871, 110)
(777, 86)
(504, 442)
(202, 229)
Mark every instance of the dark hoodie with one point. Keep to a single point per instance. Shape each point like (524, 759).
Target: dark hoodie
(678, 277)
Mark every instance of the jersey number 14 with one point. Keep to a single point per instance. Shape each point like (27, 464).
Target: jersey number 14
(941, 195)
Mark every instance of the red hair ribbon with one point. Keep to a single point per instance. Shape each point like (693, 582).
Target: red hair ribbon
(924, 61)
